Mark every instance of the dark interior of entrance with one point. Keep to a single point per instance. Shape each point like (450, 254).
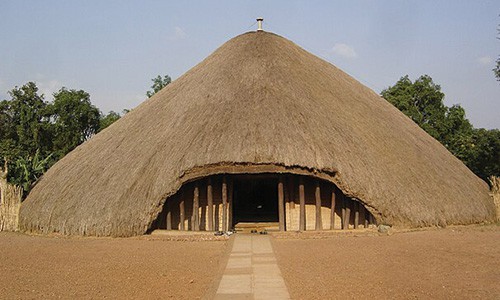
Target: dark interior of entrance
(255, 199)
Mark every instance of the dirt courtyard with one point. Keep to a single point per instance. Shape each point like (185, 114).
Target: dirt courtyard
(456, 262)
(37, 267)
(452, 263)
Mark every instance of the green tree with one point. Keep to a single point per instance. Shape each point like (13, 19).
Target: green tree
(75, 120)
(24, 122)
(458, 134)
(496, 70)
(422, 101)
(108, 119)
(34, 134)
(25, 129)
(158, 84)
(485, 159)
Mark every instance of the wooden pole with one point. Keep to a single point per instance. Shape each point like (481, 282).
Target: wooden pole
(169, 215)
(362, 215)
(317, 194)
(356, 214)
(371, 219)
(342, 215)
(196, 205)
(302, 199)
(230, 204)
(286, 192)
(224, 204)
(210, 205)
(332, 210)
(281, 204)
(347, 213)
(181, 213)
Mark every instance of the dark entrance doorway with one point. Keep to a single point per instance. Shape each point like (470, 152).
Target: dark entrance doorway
(255, 199)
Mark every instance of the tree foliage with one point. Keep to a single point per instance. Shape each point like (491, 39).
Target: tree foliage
(30, 168)
(24, 120)
(108, 119)
(158, 83)
(34, 133)
(422, 101)
(485, 157)
(74, 118)
(496, 70)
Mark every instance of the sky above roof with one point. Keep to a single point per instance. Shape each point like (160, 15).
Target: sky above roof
(112, 49)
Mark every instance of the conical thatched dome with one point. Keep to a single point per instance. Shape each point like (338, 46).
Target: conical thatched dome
(259, 102)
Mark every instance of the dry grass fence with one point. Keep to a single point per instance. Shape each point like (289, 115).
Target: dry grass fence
(495, 193)
(10, 203)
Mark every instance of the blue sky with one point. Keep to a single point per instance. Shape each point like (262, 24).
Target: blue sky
(112, 49)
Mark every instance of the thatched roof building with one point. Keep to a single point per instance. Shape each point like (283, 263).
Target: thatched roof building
(259, 104)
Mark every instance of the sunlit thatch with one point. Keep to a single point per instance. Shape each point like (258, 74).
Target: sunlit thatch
(259, 100)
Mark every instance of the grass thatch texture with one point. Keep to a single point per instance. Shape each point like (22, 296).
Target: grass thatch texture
(259, 100)
(495, 193)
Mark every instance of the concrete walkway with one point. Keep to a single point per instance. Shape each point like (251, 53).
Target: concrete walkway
(252, 272)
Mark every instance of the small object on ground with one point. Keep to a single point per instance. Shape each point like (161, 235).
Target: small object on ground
(229, 233)
(384, 228)
(219, 233)
(263, 232)
(253, 231)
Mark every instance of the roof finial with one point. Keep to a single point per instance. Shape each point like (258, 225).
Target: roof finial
(259, 22)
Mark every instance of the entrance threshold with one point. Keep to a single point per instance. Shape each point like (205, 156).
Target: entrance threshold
(248, 227)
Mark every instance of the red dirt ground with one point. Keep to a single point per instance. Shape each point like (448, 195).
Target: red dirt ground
(35, 267)
(452, 263)
(457, 262)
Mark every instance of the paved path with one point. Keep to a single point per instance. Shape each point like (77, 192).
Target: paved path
(252, 272)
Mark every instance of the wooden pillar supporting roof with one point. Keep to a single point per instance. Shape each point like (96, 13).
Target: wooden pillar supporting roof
(302, 199)
(210, 205)
(347, 213)
(181, 214)
(317, 194)
(356, 214)
(224, 204)
(332, 210)
(342, 215)
(281, 204)
(230, 205)
(169, 215)
(362, 215)
(196, 205)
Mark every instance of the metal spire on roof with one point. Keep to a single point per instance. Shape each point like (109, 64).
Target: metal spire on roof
(259, 22)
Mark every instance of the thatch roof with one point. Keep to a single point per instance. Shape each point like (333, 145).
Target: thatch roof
(258, 103)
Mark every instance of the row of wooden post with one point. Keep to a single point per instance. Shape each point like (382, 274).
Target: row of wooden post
(195, 219)
(227, 203)
(345, 215)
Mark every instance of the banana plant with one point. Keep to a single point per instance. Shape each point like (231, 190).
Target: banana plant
(32, 168)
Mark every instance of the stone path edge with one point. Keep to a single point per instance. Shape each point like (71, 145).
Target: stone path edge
(212, 289)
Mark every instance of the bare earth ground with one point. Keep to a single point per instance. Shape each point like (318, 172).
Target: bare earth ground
(452, 263)
(36, 267)
(457, 262)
